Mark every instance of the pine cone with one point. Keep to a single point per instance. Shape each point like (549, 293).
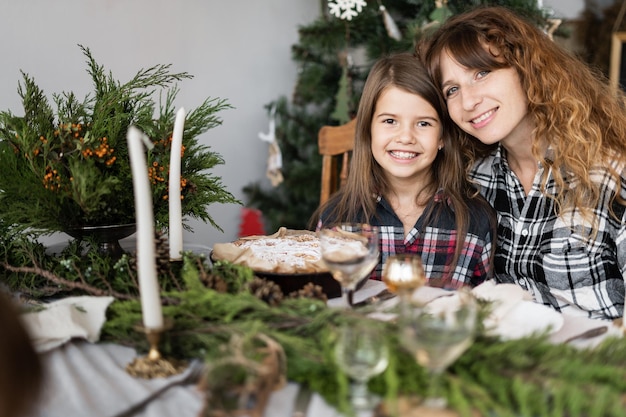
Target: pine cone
(162, 253)
(266, 290)
(310, 290)
(215, 282)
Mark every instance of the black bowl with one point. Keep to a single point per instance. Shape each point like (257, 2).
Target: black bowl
(289, 283)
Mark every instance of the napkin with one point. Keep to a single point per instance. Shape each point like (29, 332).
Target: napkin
(514, 314)
(71, 317)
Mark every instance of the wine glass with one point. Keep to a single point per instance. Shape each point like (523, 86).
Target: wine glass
(437, 334)
(350, 251)
(361, 352)
(403, 274)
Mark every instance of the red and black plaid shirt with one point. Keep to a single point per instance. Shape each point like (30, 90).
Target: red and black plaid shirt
(436, 243)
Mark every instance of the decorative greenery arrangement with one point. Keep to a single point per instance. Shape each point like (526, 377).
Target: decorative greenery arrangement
(527, 377)
(67, 166)
(211, 304)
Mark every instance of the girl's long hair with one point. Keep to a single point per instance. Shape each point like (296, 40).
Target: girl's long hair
(357, 199)
(577, 115)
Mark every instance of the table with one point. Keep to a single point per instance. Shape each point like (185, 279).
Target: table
(89, 379)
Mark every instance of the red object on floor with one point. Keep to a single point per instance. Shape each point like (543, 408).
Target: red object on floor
(251, 222)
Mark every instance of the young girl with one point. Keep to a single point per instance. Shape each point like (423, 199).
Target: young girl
(548, 141)
(407, 176)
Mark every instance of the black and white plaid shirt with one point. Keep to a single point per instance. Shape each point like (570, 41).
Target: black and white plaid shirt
(552, 257)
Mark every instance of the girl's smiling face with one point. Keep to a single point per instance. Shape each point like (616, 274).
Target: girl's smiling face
(406, 135)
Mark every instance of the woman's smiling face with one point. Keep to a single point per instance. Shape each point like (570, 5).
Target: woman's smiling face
(488, 104)
(406, 133)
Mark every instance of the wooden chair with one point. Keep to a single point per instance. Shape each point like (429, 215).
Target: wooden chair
(335, 144)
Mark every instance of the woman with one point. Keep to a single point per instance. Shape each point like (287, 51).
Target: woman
(547, 151)
(407, 177)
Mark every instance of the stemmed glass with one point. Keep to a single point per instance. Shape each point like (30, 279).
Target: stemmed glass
(403, 274)
(350, 251)
(437, 334)
(361, 352)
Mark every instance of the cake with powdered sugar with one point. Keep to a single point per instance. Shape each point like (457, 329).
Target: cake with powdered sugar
(286, 252)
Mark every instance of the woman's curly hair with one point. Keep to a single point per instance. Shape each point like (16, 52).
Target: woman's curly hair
(576, 113)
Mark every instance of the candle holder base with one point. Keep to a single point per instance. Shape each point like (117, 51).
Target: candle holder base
(153, 365)
(146, 368)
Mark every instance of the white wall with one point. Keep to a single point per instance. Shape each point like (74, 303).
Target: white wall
(239, 50)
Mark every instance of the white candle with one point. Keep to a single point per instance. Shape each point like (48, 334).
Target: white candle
(146, 264)
(175, 205)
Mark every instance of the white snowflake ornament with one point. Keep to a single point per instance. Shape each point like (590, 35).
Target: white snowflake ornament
(346, 9)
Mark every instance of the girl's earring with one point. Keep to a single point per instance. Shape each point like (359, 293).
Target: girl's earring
(440, 147)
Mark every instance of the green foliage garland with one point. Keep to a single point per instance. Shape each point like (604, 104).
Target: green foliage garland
(526, 377)
(67, 166)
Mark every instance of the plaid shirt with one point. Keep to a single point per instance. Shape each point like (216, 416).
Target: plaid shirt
(551, 256)
(437, 242)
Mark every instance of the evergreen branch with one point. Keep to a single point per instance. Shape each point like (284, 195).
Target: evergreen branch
(155, 76)
(72, 285)
(204, 117)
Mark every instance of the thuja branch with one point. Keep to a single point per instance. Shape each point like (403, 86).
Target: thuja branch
(71, 285)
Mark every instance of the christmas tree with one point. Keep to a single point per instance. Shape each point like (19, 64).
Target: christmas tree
(334, 56)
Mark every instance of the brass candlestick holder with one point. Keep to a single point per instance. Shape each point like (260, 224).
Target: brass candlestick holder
(153, 365)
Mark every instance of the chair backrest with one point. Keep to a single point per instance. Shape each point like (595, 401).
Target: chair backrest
(335, 144)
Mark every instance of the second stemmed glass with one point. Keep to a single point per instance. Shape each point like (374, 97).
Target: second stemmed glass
(350, 251)
(437, 334)
(361, 352)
